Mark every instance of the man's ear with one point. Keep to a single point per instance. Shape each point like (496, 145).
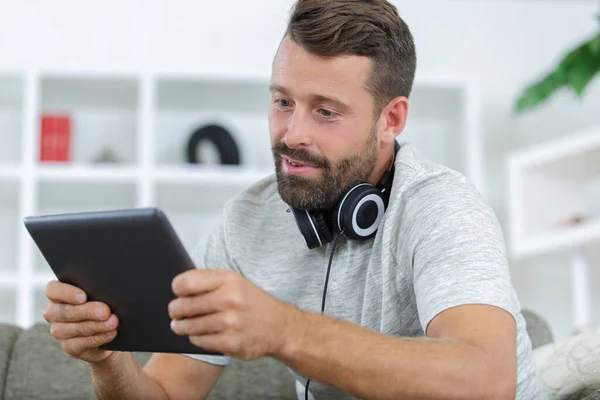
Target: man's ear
(393, 118)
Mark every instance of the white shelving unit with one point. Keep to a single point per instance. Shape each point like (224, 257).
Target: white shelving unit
(554, 203)
(11, 118)
(146, 120)
(9, 207)
(444, 123)
(105, 108)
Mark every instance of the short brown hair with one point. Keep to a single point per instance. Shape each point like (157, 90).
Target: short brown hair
(370, 28)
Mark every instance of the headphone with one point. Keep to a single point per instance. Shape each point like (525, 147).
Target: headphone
(358, 214)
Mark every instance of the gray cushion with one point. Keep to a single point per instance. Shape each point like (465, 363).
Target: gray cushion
(40, 369)
(584, 394)
(593, 396)
(537, 328)
(8, 336)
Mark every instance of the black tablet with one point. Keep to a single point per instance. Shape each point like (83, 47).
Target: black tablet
(126, 259)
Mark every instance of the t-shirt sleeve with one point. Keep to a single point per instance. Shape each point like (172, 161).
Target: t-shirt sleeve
(458, 250)
(214, 253)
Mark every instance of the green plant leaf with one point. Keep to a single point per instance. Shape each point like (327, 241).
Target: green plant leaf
(538, 92)
(589, 67)
(580, 71)
(575, 71)
(595, 44)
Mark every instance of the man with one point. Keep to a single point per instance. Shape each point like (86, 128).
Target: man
(420, 307)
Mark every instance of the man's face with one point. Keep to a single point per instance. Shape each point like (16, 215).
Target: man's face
(323, 134)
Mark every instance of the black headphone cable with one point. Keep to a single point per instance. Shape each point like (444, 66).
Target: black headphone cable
(335, 243)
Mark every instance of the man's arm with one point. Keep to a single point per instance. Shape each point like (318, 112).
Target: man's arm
(165, 377)
(470, 353)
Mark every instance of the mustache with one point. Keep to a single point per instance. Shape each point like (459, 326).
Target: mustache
(301, 155)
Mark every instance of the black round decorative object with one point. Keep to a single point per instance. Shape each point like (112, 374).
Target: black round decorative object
(218, 136)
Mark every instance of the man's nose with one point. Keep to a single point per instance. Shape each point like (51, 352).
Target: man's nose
(299, 132)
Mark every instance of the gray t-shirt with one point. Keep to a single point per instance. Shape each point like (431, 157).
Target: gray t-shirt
(439, 246)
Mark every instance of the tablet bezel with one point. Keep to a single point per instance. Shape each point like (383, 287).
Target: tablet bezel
(106, 254)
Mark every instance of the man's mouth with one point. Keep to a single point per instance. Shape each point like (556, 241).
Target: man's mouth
(296, 163)
(298, 168)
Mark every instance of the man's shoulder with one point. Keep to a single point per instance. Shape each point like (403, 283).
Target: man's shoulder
(426, 194)
(417, 175)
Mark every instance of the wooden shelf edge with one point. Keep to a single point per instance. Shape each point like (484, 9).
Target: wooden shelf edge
(89, 74)
(556, 150)
(558, 242)
(9, 172)
(41, 279)
(8, 279)
(221, 175)
(86, 173)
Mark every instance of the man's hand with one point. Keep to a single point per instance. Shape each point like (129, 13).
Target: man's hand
(222, 311)
(80, 326)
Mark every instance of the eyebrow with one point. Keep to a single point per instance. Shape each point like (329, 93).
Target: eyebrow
(315, 97)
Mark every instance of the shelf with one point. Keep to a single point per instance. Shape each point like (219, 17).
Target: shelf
(90, 196)
(193, 209)
(557, 152)
(67, 197)
(217, 175)
(8, 280)
(49, 172)
(9, 173)
(9, 226)
(193, 93)
(40, 302)
(41, 279)
(241, 107)
(11, 114)
(554, 195)
(436, 124)
(568, 239)
(103, 112)
(8, 306)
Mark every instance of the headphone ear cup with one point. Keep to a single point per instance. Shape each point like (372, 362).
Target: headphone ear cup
(360, 212)
(312, 227)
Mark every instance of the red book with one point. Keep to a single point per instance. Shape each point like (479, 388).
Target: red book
(55, 140)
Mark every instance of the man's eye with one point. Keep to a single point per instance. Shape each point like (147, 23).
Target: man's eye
(326, 113)
(283, 103)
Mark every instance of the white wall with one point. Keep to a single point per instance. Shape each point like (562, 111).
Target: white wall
(502, 44)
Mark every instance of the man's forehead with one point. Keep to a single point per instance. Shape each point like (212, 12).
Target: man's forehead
(293, 66)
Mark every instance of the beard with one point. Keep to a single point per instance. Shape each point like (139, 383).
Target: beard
(323, 192)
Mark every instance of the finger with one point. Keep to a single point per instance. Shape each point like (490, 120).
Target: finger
(92, 311)
(199, 281)
(78, 345)
(207, 324)
(193, 306)
(60, 292)
(70, 330)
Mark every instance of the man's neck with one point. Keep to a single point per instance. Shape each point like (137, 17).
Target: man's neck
(382, 166)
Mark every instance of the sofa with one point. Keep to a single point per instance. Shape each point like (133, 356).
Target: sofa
(33, 366)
